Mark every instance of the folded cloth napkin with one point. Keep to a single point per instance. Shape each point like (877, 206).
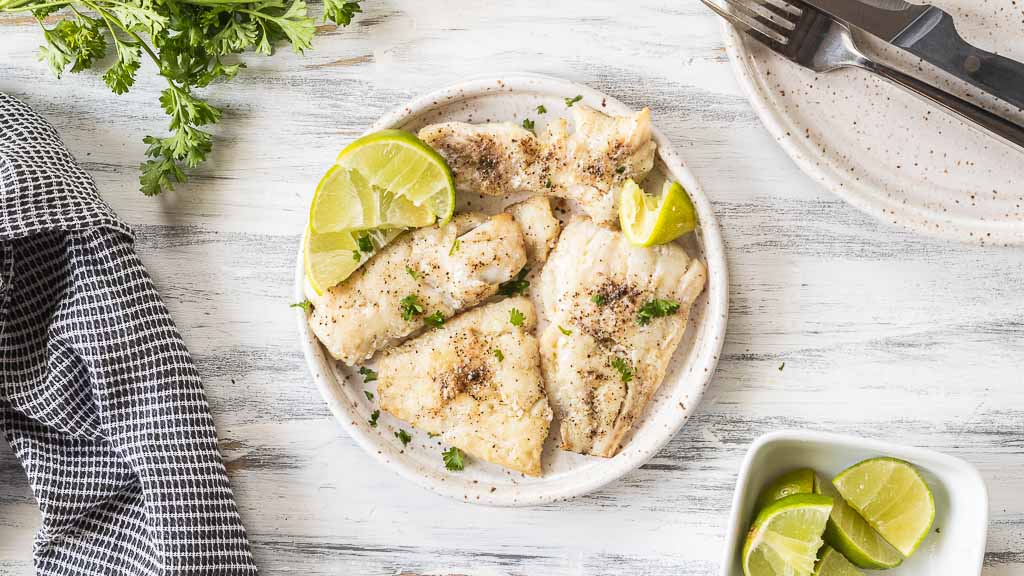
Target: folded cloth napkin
(99, 397)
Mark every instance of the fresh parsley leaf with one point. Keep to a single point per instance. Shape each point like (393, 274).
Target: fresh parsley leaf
(306, 306)
(548, 184)
(599, 299)
(655, 309)
(528, 124)
(541, 109)
(369, 395)
(565, 331)
(356, 256)
(620, 169)
(373, 418)
(516, 317)
(454, 459)
(435, 320)
(341, 11)
(73, 44)
(121, 74)
(365, 244)
(498, 354)
(454, 248)
(415, 275)
(570, 101)
(368, 375)
(403, 436)
(624, 369)
(410, 307)
(515, 286)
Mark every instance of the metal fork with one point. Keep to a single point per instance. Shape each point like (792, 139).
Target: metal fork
(812, 39)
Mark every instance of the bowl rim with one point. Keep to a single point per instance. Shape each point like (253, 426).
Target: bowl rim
(705, 357)
(925, 457)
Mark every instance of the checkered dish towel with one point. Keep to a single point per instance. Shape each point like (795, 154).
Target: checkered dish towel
(99, 398)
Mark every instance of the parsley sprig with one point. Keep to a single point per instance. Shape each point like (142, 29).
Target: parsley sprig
(656, 309)
(191, 42)
(454, 459)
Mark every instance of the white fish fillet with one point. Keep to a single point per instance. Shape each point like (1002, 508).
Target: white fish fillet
(596, 407)
(364, 313)
(450, 381)
(540, 227)
(587, 166)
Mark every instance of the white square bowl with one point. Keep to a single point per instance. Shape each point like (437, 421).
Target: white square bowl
(956, 544)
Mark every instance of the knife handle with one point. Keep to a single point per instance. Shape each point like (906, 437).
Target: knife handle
(994, 123)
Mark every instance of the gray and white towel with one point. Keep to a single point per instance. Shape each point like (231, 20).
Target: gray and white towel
(99, 398)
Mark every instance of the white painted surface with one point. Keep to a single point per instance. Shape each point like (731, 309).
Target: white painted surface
(883, 334)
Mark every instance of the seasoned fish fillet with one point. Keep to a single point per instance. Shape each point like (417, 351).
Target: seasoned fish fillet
(601, 376)
(436, 269)
(586, 166)
(477, 382)
(540, 227)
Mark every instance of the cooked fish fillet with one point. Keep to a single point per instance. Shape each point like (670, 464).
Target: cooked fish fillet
(540, 227)
(445, 268)
(477, 382)
(601, 376)
(586, 166)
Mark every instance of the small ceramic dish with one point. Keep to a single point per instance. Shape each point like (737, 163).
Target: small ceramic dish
(956, 544)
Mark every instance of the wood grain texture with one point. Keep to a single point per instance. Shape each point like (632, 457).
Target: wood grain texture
(883, 334)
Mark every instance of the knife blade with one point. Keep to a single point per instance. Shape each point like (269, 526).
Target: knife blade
(929, 33)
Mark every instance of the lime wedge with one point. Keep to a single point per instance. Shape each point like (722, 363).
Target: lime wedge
(331, 258)
(388, 179)
(851, 535)
(785, 537)
(833, 563)
(647, 220)
(894, 499)
(796, 482)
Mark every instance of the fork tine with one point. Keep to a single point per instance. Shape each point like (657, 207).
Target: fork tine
(744, 6)
(786, 11)
(772, 39)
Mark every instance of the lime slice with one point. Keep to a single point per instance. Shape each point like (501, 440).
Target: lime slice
(796, 482)
(833, 563)
(331, 258)
(851, 535)
(785, 537)
(893, 497)
(388, 179)
(647, 220)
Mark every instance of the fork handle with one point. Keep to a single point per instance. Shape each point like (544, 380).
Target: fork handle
(993, 123)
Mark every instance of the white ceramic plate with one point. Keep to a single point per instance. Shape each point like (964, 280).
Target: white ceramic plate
(956, 544)
(885, 151)
(565, 474)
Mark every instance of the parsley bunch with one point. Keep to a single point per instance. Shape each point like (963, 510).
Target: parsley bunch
(189, 41)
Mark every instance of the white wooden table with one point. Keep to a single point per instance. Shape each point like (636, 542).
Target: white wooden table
(881, 333)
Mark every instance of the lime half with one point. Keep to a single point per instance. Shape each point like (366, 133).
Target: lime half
(894, 499)
(833, 563)
(796, 482)
(388, 179)
(331, 258)
(851, 535)
(786, 536)
(647, 220)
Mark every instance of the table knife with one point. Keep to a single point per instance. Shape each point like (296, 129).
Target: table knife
(929, 33)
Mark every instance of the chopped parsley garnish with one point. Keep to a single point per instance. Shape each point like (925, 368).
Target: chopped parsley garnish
(515, 286)
(570, 101)
(369, 395)
(306, 306)
(620, 169)
(411, 307)
(528, 124)
(599, 299)
(373, 418)
(435, 320)
(403, 436)
(656, 309)
(368, 375)
(624, 369)
(365, 244)
(455, 247)
(541, 109)
(356, 256)
(516, 317)
(565, 331)
(498, 354)
(415, 275)
(453, 459)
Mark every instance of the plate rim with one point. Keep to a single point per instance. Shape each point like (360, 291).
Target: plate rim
(706, 355)
(837, 182)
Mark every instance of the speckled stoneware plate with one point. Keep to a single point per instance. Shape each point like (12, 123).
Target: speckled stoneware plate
(887, 152)
(565, 474)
